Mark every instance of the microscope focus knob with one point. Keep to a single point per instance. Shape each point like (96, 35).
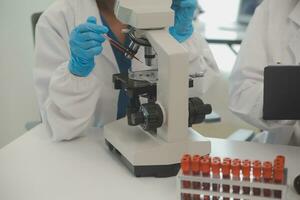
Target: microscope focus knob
(198, 110)
(297, 184)
(153, 116)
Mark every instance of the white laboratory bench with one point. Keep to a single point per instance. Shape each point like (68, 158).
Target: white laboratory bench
(34, 168)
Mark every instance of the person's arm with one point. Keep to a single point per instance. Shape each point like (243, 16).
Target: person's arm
(200, 56)
(67, 102)
(246, 81)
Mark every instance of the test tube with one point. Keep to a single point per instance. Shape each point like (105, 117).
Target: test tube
(216, 166)
(246, 166)
(257, 176)
(278, 174)
(267, 174)
(226, 165)
(280, 159)
(207, 157)
(196, 172)
(227, 160)
(278, 179)
(205, 164)
(235, 169)
(186, 170)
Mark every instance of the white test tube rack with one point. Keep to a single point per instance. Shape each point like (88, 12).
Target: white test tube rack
(231, 182)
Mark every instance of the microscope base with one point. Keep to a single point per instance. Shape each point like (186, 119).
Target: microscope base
(146, 171)
(148, 155)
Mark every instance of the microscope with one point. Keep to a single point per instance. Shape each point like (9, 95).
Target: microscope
(157, 132)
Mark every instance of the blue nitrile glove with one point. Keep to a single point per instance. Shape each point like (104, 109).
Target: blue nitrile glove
(85, 43)
(184, 13)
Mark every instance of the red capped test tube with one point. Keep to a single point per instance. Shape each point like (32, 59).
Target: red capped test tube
(246, 167)
(236, 171)
(207, 157)
(280, 159)
(186, 170)
(278, 174)
(227, 160)
(257, 176)
(216, 166)
(196, 172)
(226, 165)
(205, 165)
(267, 176)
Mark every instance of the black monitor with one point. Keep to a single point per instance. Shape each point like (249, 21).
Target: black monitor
(281, 93)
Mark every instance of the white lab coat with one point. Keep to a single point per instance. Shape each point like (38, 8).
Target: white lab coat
(70, 104)
(273, 36)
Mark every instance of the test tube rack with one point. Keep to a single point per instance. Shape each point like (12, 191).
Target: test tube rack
(187, 191)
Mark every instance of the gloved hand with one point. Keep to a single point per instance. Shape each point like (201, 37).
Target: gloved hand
(184, 13)
(85, 43)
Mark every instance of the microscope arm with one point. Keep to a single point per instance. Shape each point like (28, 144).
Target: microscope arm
(173, 80)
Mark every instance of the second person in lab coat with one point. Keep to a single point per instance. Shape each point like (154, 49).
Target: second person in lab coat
(273, 37)
(72, 98)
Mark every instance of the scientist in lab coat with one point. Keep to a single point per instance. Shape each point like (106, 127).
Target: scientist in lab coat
(75, 64)
(273, 37)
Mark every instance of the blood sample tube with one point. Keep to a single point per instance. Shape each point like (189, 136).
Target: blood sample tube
(257, 176)
(236, 170)
(196, 172)
(267, 177)
(278, 174)
(205, 164)
(278, 179)
(246, 166)
(226, 165)
(280, 159)
(216, 166)
(207, 157)
(186, 170)
(227, 160)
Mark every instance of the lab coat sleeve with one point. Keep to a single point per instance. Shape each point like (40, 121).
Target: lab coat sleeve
(246, 81)
(201, 60)
(67, 102)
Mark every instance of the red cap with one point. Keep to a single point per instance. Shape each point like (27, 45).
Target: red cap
(207, 157)
(280, 158)
(256, 162)
(236, 160)
(196, 164)
(267, 170)
(186, 164)
(205, 163)
(235, 168)
(188, 156)
(216, 165)
(280, 161)
(278, 164)
(227, 160)
(246, 166)
(278, 174)
(226, 167)
(247, 161)
(217, 158)
(257, 169)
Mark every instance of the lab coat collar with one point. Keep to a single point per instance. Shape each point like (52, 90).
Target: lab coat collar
(295, 14)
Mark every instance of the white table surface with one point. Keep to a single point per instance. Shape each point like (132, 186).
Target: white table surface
(34, 168)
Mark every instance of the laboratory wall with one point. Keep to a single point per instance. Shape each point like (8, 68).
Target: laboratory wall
(17, 98)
